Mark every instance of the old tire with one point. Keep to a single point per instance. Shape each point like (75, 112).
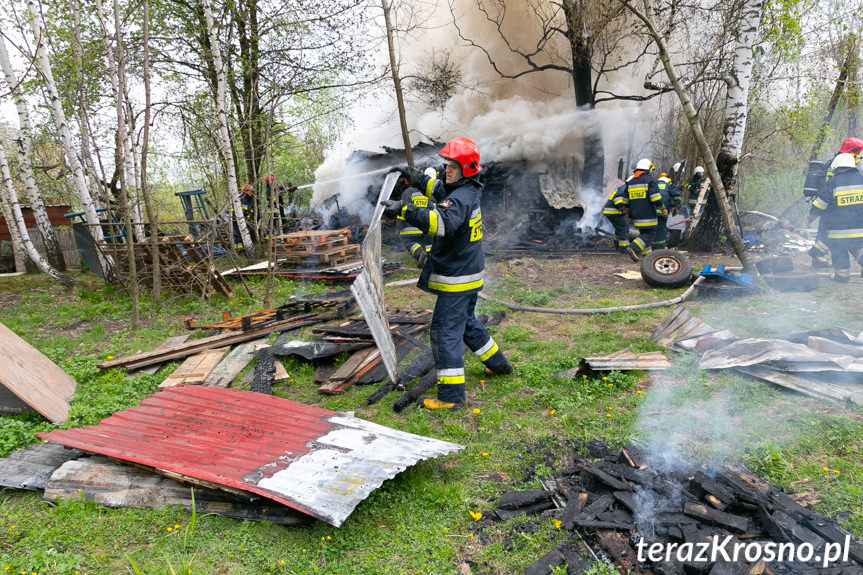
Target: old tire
(792, 282)
(666, 268)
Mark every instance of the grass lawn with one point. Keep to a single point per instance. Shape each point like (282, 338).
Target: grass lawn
(516, 428)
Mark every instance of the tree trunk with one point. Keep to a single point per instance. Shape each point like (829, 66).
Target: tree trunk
(23, 263)
(698, 134)
(24, 148)
(122, 143)
(852, 98)
(831, 106)
(397, 83)
(581, 49)
(227, 148)
(705, 236)
(145, 142)
(18, 220)
(83, 123)
(78, 179)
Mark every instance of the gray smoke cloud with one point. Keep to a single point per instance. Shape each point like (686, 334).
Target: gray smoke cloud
(532, 118)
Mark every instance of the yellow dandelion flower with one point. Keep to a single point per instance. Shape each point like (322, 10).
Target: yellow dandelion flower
(826, 468)
(470, 535)
(110, 357)
(476, 410)
(483, 453)
(553, 411)
(557, 523)
(176, 526)
(282, 562)
(170, 528)
(482, 381)
(602, 301)
(475, 515)
(304, 550)
(583, 376)
(328, 537)
(609, 409)
(835, 471)
(604, 378)
(607, 415)
(588, 297)
(506, 275)
(638, 392)
(322, 538)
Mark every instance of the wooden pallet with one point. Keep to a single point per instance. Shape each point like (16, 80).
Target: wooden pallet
(287, 248)
(330, 256)
(313, 237)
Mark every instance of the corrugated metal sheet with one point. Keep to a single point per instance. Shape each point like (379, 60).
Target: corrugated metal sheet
(624, 360)
(685, 330)
(317, 461)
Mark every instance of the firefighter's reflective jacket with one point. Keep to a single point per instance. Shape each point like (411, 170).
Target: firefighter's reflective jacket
(642, 196)
(840, 204)
(455, 264)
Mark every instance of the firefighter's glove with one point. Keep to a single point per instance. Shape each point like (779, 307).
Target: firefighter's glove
(423, 257)
(412, 199)
(413, 176)
(664, 212)
(392, 208)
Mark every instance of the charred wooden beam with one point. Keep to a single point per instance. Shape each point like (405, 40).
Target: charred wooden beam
(603, 477)
(573, 509)
(715, 517)
(633, 456)
(618, 547)
(519, 499)
(589, 512)
(590, 524)
(546, 564)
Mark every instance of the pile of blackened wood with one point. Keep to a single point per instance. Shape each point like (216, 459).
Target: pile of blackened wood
(630, 506)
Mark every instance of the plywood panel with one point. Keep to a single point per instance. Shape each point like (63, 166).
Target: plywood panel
(34, 378)
(233, 363)
(196, 368)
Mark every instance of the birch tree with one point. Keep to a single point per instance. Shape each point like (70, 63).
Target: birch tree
(224, 134)
(145, 142)
(17, 219)
(19, 252)
(646, 15)
(737, 79)
(24, 147)
(43, 64)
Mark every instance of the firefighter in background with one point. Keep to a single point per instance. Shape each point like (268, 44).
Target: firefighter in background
(671, 201)
(695, 184)
(247, 202)
(618, 219)
(839, 204)
(412, 238)
(818, 251)
(455, 266)
(641, 196)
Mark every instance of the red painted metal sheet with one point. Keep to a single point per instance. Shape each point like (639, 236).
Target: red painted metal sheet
(317, 461)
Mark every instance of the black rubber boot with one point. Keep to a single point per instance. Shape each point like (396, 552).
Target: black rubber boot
(498, 364)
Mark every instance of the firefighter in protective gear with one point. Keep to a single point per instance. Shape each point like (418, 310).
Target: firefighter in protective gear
(671, 202)
(818, 251)
(840, 206)
(247, 203)
(696, 182)
(617, 219)
(454, 270)
(641, 196)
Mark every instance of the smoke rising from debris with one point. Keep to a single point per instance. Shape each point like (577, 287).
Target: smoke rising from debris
(532, 118)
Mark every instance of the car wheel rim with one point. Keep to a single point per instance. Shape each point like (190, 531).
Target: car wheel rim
(666, 265)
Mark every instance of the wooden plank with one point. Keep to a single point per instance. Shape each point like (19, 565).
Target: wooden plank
(618, 547)
(168, 343)
(116, 485)
(228, 338)
(30, 467)
(196, 368)
(232, 364)
(281, 373)
(716, 517)
(356, 362)
(34, 378)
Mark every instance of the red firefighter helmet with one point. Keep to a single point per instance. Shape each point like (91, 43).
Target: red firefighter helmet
(465, 152)
(269, 178)
(248, 190)
(851, 146)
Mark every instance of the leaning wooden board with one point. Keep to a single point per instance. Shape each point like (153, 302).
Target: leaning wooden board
(34, 378)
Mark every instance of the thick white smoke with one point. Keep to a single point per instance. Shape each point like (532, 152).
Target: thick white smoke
(531, 118)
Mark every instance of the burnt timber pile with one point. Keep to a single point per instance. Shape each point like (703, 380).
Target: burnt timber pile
(524, 207)
(624, 503)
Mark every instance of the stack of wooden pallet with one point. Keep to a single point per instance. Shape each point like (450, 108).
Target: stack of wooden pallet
(315, 250)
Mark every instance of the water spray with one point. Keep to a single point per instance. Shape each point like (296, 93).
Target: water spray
(343, 178)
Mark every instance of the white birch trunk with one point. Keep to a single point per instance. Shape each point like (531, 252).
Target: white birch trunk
(18, 249)
(738, 81)
(24, 146)
(44, 66)
(227, 153)
(18, 220)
